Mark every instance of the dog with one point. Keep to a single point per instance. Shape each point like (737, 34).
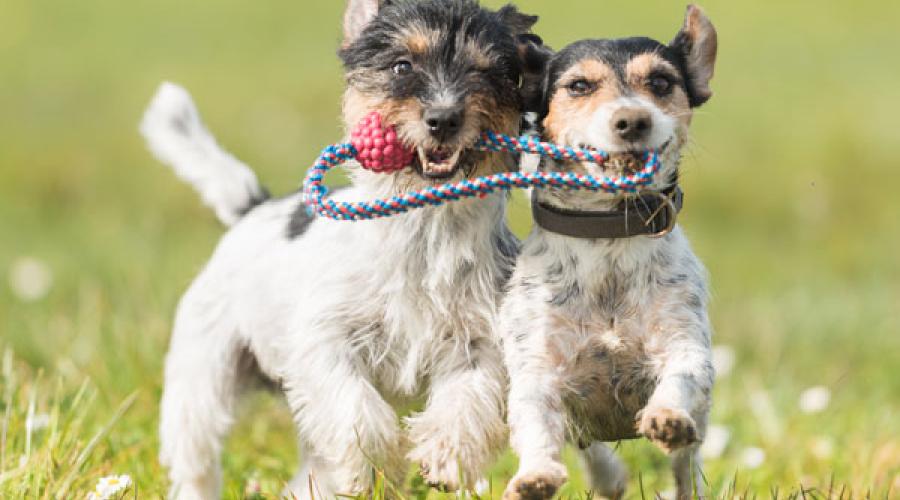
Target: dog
(605, 328)
(356, 320)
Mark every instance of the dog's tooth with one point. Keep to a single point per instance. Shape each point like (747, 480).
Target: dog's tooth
(455, 158)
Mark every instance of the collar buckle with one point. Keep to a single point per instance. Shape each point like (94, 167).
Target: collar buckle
(667, 203)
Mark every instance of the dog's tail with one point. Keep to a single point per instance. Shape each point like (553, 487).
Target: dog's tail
(177, 137)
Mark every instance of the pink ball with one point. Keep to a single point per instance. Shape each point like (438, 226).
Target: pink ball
(378, 147)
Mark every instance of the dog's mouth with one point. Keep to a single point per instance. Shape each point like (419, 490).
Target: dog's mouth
(628, 162)
(439, 163)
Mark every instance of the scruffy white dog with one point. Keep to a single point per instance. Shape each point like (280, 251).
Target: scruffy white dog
(605, 327)
(352, 319)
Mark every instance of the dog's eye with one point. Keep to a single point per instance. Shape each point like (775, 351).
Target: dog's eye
(580, 88)
(659, 85)
(402, 67)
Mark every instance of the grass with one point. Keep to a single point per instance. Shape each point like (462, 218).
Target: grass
(789, 204)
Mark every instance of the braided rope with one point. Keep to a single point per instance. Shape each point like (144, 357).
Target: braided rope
(315, 192)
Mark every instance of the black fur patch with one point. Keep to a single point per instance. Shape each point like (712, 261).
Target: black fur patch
(256, 201)
(299, 222)
(448, 66)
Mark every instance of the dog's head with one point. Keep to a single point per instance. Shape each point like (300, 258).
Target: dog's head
(630, 95)
(441, 72)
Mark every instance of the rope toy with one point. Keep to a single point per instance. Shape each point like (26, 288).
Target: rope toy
(377, 148)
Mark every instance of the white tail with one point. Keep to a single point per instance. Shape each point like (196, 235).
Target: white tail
(177, 137)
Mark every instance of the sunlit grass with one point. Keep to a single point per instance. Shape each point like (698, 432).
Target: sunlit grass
(790, 204)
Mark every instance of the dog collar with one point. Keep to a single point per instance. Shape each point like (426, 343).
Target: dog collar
(653, 214)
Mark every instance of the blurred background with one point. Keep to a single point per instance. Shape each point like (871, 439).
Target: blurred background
(790, 203)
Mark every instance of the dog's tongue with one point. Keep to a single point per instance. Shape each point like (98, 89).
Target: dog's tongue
(377, 146)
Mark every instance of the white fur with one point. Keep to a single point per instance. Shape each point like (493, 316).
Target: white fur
(176, 135)
(351, 319)
(600, 135)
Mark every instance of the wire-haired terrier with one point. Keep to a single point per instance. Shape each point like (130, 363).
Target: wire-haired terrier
(605, 325)
(356, 320)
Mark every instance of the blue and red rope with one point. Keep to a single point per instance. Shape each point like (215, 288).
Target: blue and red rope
(315, 192)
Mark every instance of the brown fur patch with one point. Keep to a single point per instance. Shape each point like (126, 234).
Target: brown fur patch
(567, 112)
(419, 40)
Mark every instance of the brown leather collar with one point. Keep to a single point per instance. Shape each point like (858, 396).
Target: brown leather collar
(653, 214)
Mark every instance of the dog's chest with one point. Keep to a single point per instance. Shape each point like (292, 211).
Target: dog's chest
(602, 338)
(608, 371)
(439, 294)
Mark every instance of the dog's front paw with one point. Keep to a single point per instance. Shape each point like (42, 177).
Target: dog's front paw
(537, 484)
(438, 465)
(670, 429)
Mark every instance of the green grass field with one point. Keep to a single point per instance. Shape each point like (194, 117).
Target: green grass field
(790, 204)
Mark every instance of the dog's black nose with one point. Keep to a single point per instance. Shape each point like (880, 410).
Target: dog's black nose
(444, 123)
(632, 124)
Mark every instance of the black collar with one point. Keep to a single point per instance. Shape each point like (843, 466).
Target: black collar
(652, 214)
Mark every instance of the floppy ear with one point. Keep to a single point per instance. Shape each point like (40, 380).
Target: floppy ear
(358, 15)
(534, 56)
(517, 22)
(697, 42)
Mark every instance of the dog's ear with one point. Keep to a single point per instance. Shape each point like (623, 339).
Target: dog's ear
(518, 22)
(358, 15)
(698, 43)
(534, 56)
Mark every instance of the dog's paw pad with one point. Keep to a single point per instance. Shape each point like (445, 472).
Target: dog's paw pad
(536, 485)
(669, 429)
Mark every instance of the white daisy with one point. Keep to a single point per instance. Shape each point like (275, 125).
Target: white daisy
(109, 486)
(815, 399)
(753, 457)
(30, 279)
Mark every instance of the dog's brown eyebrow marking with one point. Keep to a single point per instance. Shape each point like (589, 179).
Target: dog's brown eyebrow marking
(644, 65)
(587, 69)
(419, 39)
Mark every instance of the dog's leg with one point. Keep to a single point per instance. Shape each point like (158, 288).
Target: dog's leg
(681, 398)
(676, 415)
(351, 430)
(461, 430)
(537, 427)
(311, 481)
(201, 384)
(606, 472)
(687, 469)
